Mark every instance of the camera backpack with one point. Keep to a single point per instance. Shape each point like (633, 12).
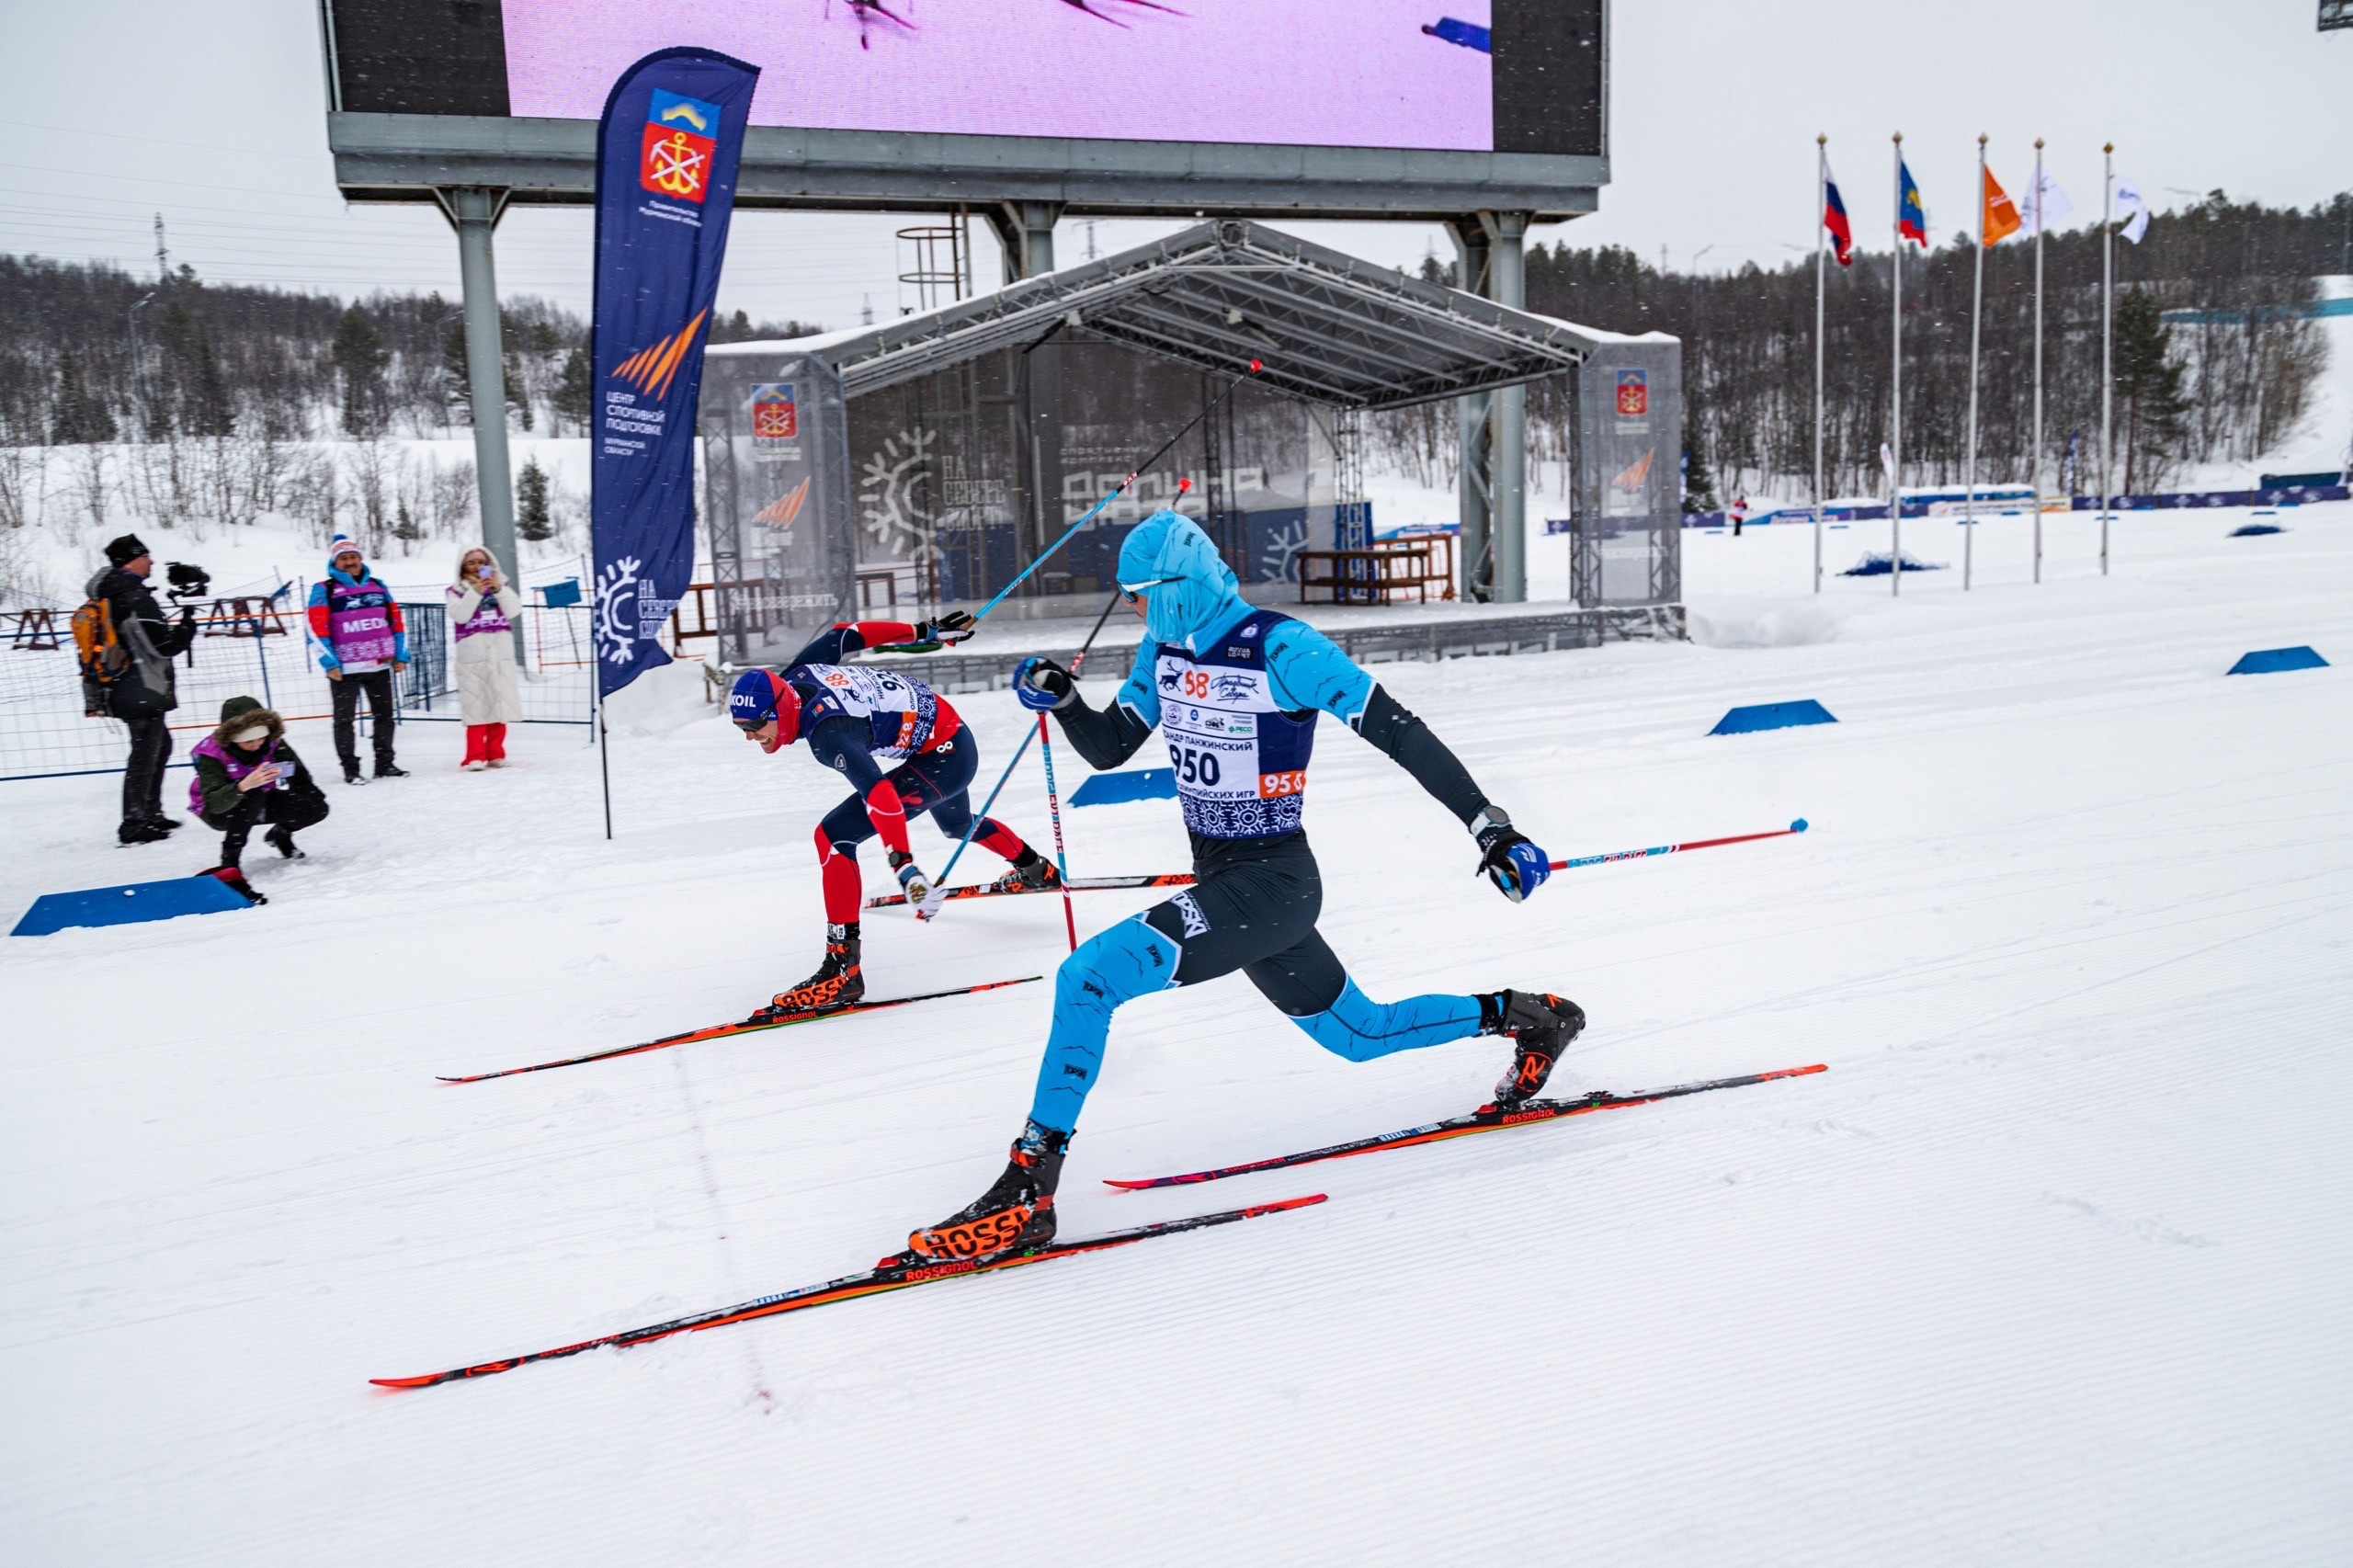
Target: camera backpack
(102, 656)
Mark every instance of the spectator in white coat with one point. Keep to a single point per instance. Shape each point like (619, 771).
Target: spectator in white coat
(483, 608)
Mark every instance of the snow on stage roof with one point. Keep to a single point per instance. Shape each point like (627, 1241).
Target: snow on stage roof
(1327, 327)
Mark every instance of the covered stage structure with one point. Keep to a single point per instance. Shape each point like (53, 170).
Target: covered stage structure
(921, 464)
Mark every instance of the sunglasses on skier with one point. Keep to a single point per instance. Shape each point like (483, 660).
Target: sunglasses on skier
(1135, 590)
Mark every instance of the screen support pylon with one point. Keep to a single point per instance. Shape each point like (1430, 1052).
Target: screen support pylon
(473, 211)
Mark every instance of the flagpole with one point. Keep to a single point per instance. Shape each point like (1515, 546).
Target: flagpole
(1821, 229)
(1976, 318)
(2107, 332)
(1896, 423)
(2042, 222)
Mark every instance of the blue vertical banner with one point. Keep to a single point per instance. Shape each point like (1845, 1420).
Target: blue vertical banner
(666, 154)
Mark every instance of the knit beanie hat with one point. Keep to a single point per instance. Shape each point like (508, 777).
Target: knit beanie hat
(123, 551)
(341, 543)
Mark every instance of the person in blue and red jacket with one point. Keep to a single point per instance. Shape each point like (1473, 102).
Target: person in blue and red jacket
(851, 714)
(362, 640)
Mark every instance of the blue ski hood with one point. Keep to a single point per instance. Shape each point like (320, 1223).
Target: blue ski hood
(1203, 598)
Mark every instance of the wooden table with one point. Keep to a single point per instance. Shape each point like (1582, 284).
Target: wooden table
(1379, 575)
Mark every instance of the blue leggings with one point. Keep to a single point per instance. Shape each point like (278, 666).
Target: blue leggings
(1254, 908)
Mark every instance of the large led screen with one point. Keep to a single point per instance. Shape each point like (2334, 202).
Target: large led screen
(1395, 74)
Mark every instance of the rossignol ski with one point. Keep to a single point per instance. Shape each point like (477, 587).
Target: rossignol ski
(1076, 884)
(895, 1273)
(765, 1018)
(1463, 1126)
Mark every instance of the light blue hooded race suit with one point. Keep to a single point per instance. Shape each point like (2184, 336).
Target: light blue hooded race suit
(1307, 670)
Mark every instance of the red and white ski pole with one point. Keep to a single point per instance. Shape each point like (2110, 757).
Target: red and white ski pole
(1797, 826)
(1054, 809)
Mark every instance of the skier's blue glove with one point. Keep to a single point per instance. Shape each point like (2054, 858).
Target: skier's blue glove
(1514, 864)
(1043, 686)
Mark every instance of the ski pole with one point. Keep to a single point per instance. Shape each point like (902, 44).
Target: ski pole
(1116, 492)
(1076, 664)
(1054, 811)
(1797, 827)
(930, 905)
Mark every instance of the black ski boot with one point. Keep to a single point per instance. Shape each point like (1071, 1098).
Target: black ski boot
(1540, 1026)
(837, 982)
(281, 840)
(389, 769)
(1032, 873)
(1016, 1212)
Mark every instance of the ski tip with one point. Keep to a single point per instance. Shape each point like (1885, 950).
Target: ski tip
(426, 1381)
(1135, 1185)
(1799, 825)
(1309, 1201)
(1797, 1072)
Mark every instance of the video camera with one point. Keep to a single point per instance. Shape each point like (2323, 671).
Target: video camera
(187, 581)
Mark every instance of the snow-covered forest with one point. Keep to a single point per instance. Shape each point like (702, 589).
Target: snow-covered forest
(2222, 388)
(180, 403)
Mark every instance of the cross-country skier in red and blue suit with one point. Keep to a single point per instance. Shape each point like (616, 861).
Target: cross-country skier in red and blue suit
(1236, 691)
(851, 714)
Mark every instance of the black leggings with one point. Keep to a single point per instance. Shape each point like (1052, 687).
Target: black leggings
(142, 773)
(378, 686)
(1252, 908)
(292, 810)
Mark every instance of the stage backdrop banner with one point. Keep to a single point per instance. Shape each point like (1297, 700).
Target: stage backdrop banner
(666, 151)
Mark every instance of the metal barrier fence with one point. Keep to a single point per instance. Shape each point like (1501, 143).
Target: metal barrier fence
(559, 666)
(267, 654)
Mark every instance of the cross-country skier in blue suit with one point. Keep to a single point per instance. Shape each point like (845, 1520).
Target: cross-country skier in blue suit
(1236, 691)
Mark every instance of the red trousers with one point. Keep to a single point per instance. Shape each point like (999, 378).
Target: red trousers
(486, 742)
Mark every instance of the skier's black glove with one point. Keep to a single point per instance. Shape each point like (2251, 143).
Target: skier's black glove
(1044, 686)
(950, 628)
(1508, 857)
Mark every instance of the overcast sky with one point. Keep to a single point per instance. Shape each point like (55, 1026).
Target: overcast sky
(213, 113)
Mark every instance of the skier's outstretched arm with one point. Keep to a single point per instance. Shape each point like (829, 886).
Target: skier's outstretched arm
(1311, 672)
(1104, 739)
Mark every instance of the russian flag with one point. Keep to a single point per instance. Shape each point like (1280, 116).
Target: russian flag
(1834, 217)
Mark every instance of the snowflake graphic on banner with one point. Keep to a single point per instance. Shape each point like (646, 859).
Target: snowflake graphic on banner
(616, 633)
(894, 517)
(1279, 551)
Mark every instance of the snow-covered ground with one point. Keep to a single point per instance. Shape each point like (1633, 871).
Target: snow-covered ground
(2050, 1267)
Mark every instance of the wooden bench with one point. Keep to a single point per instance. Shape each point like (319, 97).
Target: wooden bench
(1382, 575)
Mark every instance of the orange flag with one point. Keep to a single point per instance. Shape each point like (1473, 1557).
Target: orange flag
(2000, 219)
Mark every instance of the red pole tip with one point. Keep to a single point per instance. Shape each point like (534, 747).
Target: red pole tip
(1183, 486)
(1257, 365)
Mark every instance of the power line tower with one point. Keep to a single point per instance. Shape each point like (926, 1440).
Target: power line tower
(163, 254)
(2336, 14)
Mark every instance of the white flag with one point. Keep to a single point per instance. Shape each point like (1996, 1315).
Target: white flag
(1887, 462)
(2042, 207)
(2133, 210)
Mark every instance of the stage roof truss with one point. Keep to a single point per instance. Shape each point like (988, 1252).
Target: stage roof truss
(1326, 327)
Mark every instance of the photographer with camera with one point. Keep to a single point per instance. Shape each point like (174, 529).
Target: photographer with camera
(126, 645)
(362, 640)
(246, 775)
